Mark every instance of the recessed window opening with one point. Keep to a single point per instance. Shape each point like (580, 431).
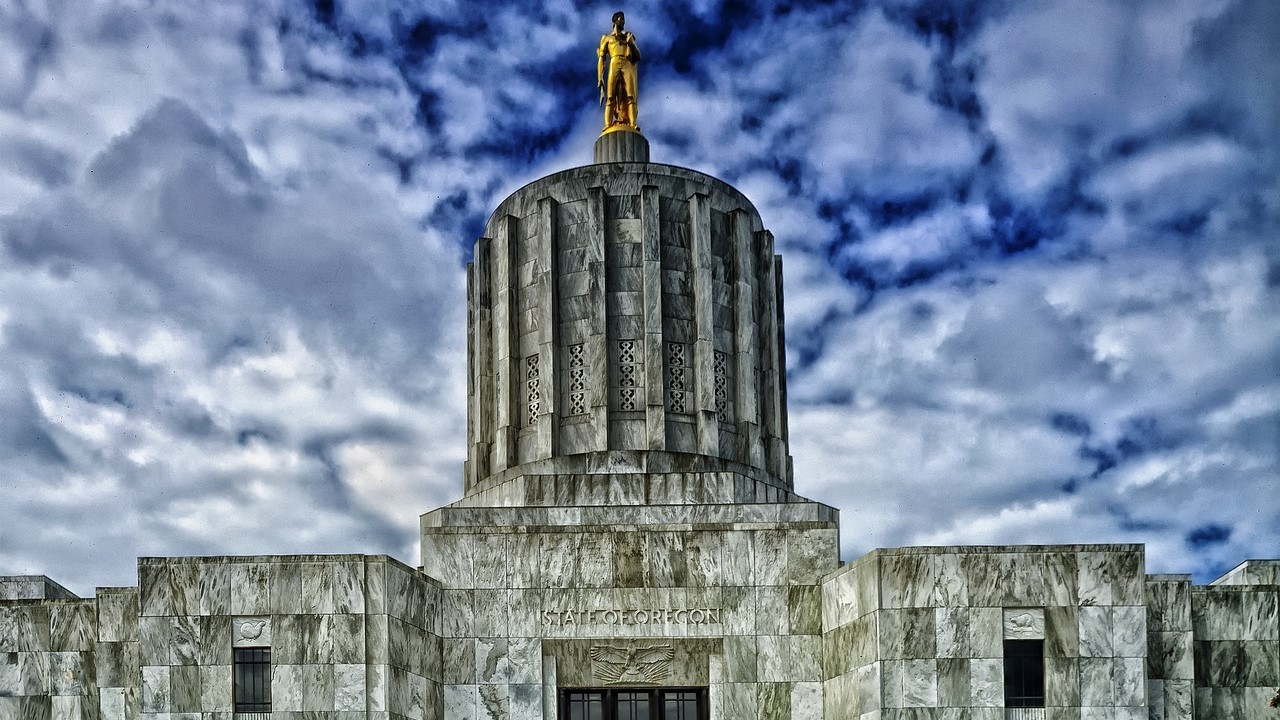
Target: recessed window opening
(251, 680)
(1024, 673)
(682, 705)
(633, 706)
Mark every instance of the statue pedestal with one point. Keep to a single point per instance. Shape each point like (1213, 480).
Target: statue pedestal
(621, 146)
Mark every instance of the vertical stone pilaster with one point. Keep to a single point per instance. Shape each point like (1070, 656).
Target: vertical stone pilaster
(549, 706)
(704, 395)
(484, 360)
(509, 377)
(546, 309)
(651, 269)
(597, 345)
(770, 408)
(469, 470)
(469, 464)
(746, 345)
(780, 363)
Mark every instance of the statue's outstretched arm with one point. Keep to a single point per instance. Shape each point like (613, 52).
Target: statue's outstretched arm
(600, 53)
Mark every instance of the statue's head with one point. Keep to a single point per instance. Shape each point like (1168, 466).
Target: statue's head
(619, 20)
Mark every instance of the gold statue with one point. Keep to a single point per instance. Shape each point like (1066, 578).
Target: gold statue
(619, 95)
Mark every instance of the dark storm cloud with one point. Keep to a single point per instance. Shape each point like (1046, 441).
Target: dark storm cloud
(1208, 535)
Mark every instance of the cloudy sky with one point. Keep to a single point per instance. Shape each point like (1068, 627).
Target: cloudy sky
(1032, 259)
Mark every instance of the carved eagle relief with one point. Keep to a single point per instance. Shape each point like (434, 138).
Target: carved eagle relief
(631, 665)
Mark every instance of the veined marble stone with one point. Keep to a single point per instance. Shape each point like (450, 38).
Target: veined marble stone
(624, 317)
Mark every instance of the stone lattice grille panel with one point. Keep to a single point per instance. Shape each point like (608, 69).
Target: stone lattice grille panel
(627, 352)
(577, 380)
(677, 386)
(628, 374)
(532, 383)
(721, 369)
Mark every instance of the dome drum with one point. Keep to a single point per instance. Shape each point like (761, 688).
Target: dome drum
(624, 308)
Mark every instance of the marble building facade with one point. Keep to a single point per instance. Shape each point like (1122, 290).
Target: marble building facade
(630, 539)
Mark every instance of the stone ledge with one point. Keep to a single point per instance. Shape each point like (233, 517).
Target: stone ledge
(645, 516)
(533, 489)
(616, 178)
(628, 462)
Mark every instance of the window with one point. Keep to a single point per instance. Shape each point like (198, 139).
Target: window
(682, 705)
(634, 704)
(251, 680)
(1024, 673)
(583, 705)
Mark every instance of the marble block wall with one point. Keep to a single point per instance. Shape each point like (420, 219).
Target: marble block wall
(746, 599)
(116, 655)
(47, 669)
(731, 589)
(414, 656)
(1170, 666)
(350, 636)
(1236, 651)
(918, 632)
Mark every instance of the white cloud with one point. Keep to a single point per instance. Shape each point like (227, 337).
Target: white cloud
(875, 128)
(211, 315)
(933, 238)
(226, 324)
(1064, 80)
(947, 435)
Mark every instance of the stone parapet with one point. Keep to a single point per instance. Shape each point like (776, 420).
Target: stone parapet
(32, 587)
(1252, 572)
